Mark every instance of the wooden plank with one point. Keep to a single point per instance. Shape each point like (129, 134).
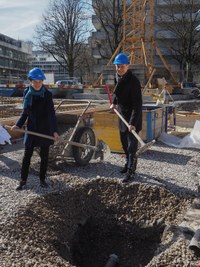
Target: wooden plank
(186, 119)
(79, 111)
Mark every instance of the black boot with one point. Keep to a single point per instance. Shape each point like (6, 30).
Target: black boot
(129, 176)
(131, 171)
(21, 185)
(124, 170)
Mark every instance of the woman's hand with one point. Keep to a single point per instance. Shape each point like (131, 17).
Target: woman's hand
(56, 136)
(14, 127)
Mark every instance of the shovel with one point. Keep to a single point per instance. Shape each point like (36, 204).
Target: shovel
(143, 145)
(101, 150)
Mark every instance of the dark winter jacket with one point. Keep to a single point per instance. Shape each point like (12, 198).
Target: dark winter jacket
(128, 97)
(41, 118)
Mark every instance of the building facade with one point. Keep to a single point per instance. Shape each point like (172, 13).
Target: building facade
(140, 22)
(174, 22)
(14, 60)
(18, 57)
(48, 64)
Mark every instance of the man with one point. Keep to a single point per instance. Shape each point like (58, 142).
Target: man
(127, 99)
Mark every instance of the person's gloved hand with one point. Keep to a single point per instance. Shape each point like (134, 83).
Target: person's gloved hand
(131, 128)
(113, 106)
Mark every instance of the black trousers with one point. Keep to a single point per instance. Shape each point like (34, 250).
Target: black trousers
(130, 145)
(44, 154)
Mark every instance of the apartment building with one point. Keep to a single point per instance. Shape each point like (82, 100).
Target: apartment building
(173, 15)
(48, 64)
(14, 60)
(17, 58)
(146, 15)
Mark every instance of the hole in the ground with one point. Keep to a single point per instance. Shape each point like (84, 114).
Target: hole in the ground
(96, 239)
(92, 220)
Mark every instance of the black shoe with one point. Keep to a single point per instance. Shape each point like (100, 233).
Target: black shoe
(43, 184)
(21, 185)
(124, 170)
(129, 176)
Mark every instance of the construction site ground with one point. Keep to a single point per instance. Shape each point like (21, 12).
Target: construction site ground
(87, 213)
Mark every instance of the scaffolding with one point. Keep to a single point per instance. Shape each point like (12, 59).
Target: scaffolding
(138, 40)
(138, 31)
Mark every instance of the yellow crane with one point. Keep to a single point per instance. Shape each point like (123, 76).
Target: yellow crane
(138, 40)
(138, 31)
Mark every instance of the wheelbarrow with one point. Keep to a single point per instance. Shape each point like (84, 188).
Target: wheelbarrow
(80, 146)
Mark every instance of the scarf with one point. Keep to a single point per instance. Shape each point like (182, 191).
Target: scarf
(120, 80)
(28, 99)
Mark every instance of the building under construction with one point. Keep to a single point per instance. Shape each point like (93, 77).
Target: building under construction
(145, 38)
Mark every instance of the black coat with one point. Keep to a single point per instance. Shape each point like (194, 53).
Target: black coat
(40, 118)
(128, 97)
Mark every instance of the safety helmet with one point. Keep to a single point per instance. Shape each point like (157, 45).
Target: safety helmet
(121, 59)
(36, 74)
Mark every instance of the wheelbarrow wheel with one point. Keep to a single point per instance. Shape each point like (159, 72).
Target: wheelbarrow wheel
(84, 135)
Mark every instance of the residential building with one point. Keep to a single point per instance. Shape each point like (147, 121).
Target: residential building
(141, 23)
(17, 58)
(14, 60)
(48, 64)
(170, 17)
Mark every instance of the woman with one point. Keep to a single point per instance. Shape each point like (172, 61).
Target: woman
(38, 111)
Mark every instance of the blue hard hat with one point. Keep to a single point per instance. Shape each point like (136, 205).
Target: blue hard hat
(36, 74)
(121, 59)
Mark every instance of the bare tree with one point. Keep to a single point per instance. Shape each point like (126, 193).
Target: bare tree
(182, 19)
(64, 32)
(110, 16)
(86, 62)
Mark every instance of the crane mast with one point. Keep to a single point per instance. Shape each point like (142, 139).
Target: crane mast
(138, 31)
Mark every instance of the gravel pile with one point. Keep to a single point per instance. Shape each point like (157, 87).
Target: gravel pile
(87, 213)
(189, 106)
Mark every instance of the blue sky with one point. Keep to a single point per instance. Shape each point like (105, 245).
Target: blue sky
(18, 18)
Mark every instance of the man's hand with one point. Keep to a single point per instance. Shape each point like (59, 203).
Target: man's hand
(131, 128)
(112, 107)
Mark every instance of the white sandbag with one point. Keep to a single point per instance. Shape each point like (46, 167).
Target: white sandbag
(4, 136)
(191, 140)
(195, 133)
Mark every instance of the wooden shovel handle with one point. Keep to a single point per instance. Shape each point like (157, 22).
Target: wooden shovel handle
(52, 138)
(133, 132)
(30, 132)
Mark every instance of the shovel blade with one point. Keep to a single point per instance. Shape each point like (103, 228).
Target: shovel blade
(144, 148)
